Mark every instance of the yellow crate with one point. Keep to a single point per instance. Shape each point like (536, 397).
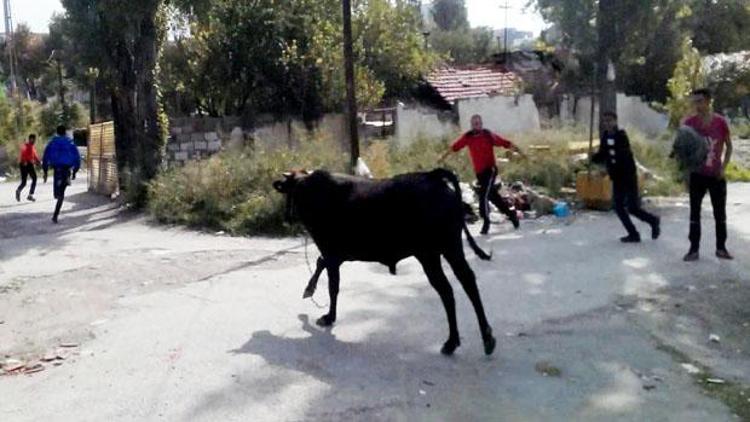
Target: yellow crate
(594, 190)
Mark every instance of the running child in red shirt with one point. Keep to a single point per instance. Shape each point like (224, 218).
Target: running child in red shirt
(481, 143)
(26, 161)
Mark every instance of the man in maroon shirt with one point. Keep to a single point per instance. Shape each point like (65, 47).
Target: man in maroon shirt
(710, 177)
(481, 143)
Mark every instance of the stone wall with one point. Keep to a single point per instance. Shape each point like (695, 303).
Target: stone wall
(196, 138)
(633, 114)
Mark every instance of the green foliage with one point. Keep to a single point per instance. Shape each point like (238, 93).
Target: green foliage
(54, 114)
(550, 170)
(292, 63)
(737, 173)
(719, 26)
(17, 120)
(450, 15)
(233, 191)
(688, 75)
(648, 36)
(464, 46)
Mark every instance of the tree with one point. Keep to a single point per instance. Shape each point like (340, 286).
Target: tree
(688, 75)
(719, 26)
(30, 59)
(469, 46)
(450, 15)
(292, 65)
(123, 41)
(648, 35)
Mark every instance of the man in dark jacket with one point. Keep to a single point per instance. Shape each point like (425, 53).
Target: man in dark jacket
(615, 153)
(62, 155)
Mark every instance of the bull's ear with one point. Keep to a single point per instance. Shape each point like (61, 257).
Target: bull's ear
(279, 186)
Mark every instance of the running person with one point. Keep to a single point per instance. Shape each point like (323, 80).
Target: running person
(615, 153)
(710, 177)
(481, 143)
(62, 155)
(26, 162)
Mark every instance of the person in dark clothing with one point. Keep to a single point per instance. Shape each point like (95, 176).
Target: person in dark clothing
(615, 153)
(62, 155)
(26, 162)
(481, 143)
(709, 178)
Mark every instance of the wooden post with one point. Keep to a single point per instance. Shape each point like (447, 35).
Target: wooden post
(351, 95)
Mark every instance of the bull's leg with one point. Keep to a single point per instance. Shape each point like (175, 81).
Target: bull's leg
(313, 284)
(333, 292)
(436, 276)
(468, 280)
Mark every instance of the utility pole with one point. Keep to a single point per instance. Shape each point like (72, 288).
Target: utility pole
(55, 56)
(10, 42)
(351, 94)
(505, 34)
(605, 70)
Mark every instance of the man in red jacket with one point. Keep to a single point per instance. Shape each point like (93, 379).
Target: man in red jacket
(27, 160)
(481, 143)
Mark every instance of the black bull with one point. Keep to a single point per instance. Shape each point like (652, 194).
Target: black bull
(386, 221)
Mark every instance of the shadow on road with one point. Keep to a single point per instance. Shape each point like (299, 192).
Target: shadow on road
(23, 230)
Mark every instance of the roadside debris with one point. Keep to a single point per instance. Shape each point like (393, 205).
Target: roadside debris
(547, 369)
(36, 367)
(691, 369)
(715, 381)
(713, 338)
(69, 345)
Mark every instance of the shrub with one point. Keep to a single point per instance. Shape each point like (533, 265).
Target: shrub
(233, 191)
(737, 173)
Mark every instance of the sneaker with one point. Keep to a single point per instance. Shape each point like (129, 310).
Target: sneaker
(31, 198)
(691, 257)
(724, 254)
(631, 238)
(18, 196)
(656, 229)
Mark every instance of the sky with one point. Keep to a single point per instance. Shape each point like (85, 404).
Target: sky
(489, 13)
(36, 13)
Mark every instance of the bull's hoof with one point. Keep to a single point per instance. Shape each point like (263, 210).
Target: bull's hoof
(326, 320)
(308, 293)
(489, 345)
(450, 346)
(489, 342)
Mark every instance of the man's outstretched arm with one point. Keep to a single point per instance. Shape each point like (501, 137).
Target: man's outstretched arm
(456, 146)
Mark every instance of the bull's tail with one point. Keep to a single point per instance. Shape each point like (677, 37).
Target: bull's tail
(451, 178)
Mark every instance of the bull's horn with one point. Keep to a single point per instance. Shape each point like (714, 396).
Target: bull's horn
(288, 175)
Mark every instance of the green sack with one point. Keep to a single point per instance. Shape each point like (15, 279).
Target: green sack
(690, 149)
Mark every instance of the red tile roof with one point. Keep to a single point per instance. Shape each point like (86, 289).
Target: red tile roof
(457, 83)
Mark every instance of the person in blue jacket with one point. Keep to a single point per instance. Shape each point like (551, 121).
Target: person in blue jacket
(62, 155)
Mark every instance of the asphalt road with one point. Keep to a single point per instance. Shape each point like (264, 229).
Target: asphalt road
(170, 324)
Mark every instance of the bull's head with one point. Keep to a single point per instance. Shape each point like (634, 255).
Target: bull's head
(287, 186)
